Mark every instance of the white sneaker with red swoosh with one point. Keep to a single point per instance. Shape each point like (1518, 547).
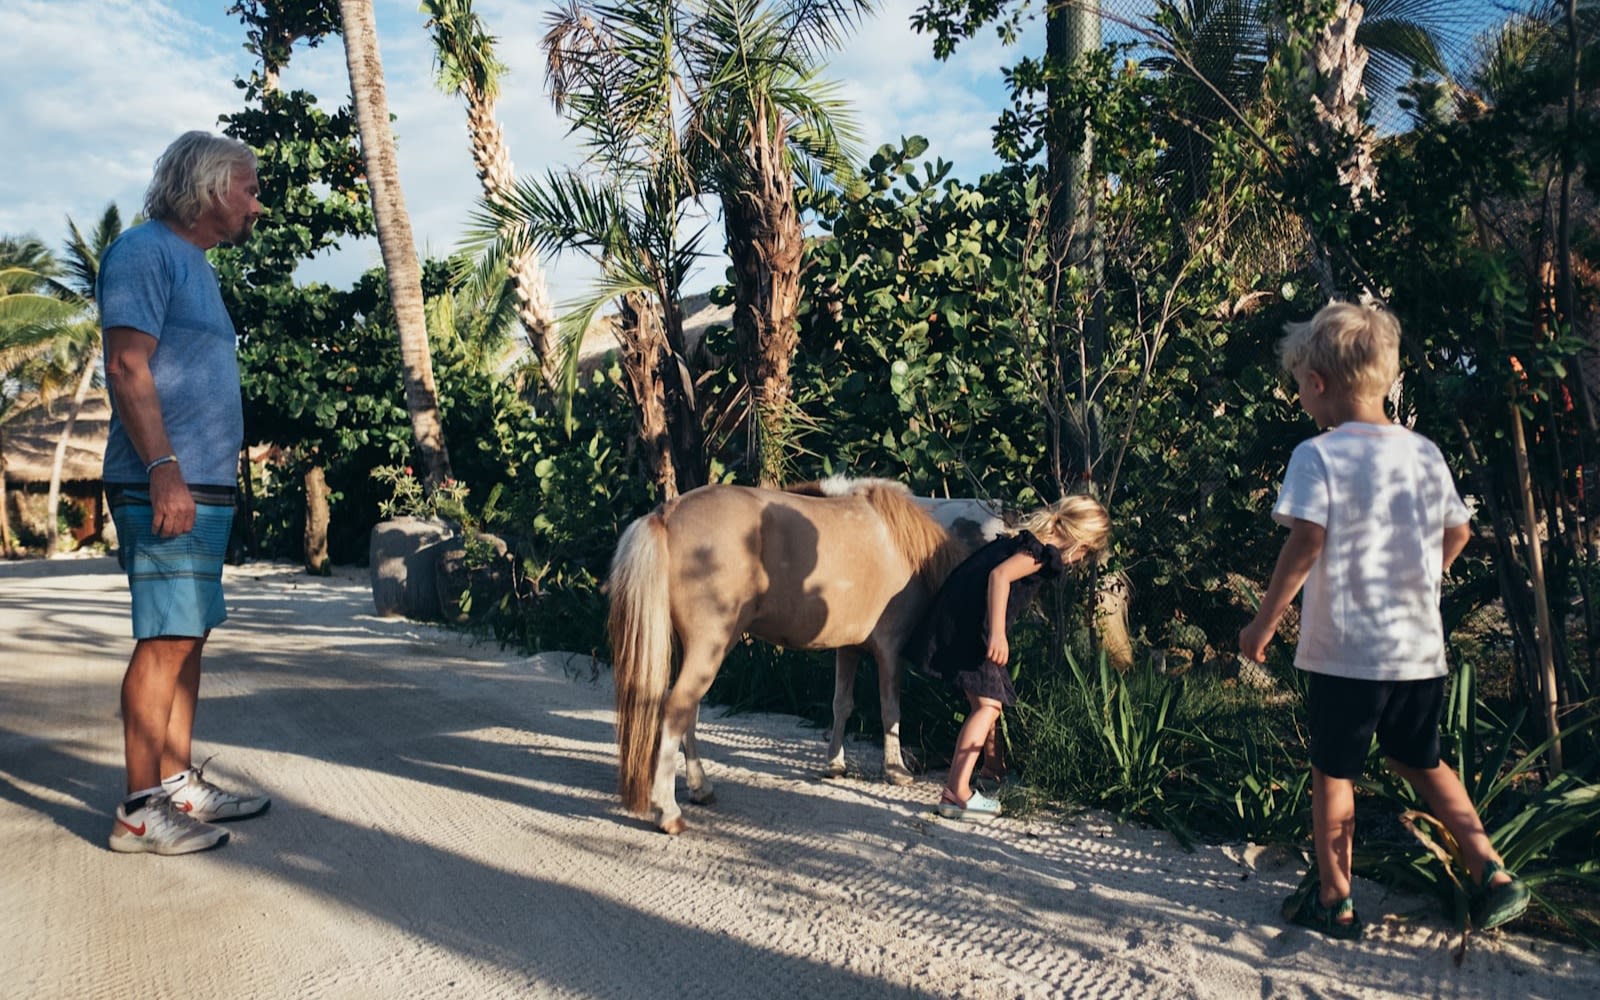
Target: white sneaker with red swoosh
(206, 802)
(160, 828)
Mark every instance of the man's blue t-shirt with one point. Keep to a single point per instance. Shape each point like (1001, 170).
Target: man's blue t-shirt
(155, 281)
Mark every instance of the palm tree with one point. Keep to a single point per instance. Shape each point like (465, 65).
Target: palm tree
(761, 118)
(465, 63)
(79, 350)
(720, 97)
(628, 220)
(625, 209)
(31, 320)
(371, 104)
(1214, 54)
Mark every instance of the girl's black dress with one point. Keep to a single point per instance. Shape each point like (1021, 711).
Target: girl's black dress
(952, 642)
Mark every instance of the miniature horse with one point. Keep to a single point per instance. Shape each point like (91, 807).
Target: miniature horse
(804, 571)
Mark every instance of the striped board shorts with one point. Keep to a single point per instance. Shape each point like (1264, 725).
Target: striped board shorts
(176, 582)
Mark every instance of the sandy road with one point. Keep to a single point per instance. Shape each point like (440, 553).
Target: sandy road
(444, 824)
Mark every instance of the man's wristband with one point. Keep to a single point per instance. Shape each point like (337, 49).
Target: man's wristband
(163, 460)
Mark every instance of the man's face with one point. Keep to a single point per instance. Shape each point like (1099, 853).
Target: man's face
(236, 212)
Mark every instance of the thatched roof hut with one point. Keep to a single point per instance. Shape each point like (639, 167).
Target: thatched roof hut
(29, 441)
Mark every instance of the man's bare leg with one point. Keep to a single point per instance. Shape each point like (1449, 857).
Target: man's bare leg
(159, 692)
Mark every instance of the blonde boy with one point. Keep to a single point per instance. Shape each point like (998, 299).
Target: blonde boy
(1374, 523)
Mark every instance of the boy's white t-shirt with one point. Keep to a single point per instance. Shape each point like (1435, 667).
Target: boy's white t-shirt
(1384, 495)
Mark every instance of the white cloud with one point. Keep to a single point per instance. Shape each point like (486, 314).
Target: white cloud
(94, 91)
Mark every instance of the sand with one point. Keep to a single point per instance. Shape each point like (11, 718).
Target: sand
(445, 824)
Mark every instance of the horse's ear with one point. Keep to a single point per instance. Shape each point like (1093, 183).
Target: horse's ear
(810, 488)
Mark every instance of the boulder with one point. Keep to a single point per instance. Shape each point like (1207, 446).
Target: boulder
(486, 573)
(403, 554)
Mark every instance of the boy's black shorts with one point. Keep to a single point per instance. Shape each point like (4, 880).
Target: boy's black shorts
(1346, 711)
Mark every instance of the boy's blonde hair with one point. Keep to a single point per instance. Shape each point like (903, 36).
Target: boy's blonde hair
(1355, 347)
(1078, 520)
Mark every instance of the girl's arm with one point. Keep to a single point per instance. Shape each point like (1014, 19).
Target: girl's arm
(1299, 553)
(1000, 580)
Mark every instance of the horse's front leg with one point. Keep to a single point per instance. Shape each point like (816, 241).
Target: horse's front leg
(844, 690)
(894, 767)
(700, 791)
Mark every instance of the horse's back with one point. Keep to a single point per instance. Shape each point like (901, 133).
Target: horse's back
(802, 571)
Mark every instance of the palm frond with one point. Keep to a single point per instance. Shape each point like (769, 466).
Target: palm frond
(1395, 44)
(818, 26)
(464, 56)
(578, 317)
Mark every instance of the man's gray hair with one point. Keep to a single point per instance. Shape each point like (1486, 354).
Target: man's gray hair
(195, 172)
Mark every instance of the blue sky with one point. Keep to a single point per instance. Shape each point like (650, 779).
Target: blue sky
(95, 89)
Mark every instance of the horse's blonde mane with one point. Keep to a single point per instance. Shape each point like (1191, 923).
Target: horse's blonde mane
(923, 541)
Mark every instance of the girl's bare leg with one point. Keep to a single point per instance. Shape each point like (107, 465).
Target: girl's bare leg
(969, 745)
(994, 761)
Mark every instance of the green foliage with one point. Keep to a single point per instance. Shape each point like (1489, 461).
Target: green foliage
(409, 499)
(1107, 739)
(1247, 787)
(918, 322)
(566, 501)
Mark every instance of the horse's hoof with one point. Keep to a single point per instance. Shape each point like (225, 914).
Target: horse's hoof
(704, 798)
(674, 827)
(898, 776)
(831, 772)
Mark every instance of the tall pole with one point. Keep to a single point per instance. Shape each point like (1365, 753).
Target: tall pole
(1072, 30)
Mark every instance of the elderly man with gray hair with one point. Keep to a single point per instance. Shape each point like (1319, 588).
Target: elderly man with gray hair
(170, 471)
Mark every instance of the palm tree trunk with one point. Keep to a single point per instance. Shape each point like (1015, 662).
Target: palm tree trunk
(6, 549)
(766, 244)
(85, 380)
(644, 350)
(493, 162)
(399, 250)
(317, 518)
(1549, 697)
(1341, 64)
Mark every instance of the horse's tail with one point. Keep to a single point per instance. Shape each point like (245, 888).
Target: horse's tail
(640, 626)
(1111, 615)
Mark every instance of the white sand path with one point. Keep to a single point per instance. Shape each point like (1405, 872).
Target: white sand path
(445, 824)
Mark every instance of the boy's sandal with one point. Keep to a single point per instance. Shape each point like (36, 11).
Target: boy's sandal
(1493, 905)
(1304, 907)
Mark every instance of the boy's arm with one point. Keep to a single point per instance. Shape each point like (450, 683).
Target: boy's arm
(1455, 539)
(1299, 554)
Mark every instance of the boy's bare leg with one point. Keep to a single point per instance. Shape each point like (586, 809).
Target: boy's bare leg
(1333, 827)
(153, 707)
(969, 744)
(1447, 798)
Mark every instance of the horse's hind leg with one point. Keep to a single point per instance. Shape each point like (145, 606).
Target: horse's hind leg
(844, 690)
(700, 791)
(894, 767)
(683, 704)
